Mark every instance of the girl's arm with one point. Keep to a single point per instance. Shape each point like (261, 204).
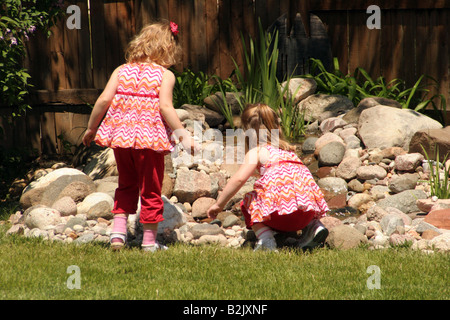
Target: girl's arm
(168, 111)
(100, 107)
(251, 161)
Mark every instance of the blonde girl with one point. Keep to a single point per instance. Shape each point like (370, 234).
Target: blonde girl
(285, 197)
(139, 122)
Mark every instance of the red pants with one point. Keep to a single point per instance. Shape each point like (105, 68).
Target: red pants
(141, 173)
(286, 223)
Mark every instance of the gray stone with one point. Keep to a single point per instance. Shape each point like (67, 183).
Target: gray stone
(41, 217)
(390, 223)
(404, 201)
(202, 229)
(331, 154)
(383, 127)
(403, 182)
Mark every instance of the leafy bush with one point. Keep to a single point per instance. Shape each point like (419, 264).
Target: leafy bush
(192, 87)
(360, 85)
(19, 20)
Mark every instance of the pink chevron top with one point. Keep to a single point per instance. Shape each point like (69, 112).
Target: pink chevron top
(133, 119)
(286, 185)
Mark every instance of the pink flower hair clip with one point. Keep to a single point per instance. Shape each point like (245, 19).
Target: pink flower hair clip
(174, 28)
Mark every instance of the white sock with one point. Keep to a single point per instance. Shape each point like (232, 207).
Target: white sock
(264, 233)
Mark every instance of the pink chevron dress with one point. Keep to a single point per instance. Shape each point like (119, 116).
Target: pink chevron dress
(133, 119)
(286, 186)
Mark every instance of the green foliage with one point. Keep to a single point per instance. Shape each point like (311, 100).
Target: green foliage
(192, 87)
(438, 178)
(13, 163)
(18, 21)
(258, 83)
(360, 85)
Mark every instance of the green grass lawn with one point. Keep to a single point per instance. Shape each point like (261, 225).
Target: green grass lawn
(36, 269)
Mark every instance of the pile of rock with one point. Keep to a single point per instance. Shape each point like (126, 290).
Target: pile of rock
(368, 161)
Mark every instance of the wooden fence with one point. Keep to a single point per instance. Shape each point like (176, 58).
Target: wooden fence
(70, 69)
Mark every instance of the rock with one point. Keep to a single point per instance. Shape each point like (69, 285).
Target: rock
(109, 185)
(408, 162)
(371, 172)
(41, 217)
(85, 238)
(332, 186)
(331, 124)
(431, 140)
(77, 190)
(384, 127)
(403, 182)
(173, 217)
(390, 223)
(300, 88)
(331, 154)
(324, 140)
(201, 206)
(345, 237)
(430, 234)
(439, 218)
(441, 242)
(359, 199)
(49, 188)
(215, 102)
(404, 201)
(202, 229)
(323, 106)
(309, 145)
(401, 239)
(78, 220)
(101, 164)
(353, 115)
(424, 226)
(191, 185)
(352, 142)
(97, 205)
(66, 206)
(347, 132)
(230, 221)
(427, 205)
(211, 117)
(212, 239)
(347, 168)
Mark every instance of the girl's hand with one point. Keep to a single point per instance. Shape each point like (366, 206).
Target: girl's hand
(213, 211)
(89, 135)
(190, 144)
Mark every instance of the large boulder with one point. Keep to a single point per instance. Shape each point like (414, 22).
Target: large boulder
(322, 106)
(431, 140)
(41, 217)
(55, 185)
(383, 126)
(191, 185)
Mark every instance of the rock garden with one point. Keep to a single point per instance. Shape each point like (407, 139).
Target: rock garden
(373, 162)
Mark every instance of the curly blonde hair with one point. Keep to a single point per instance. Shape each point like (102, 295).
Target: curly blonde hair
(155, 43)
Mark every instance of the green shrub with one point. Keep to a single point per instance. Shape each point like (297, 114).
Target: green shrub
(360, 85)
(18, 21)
